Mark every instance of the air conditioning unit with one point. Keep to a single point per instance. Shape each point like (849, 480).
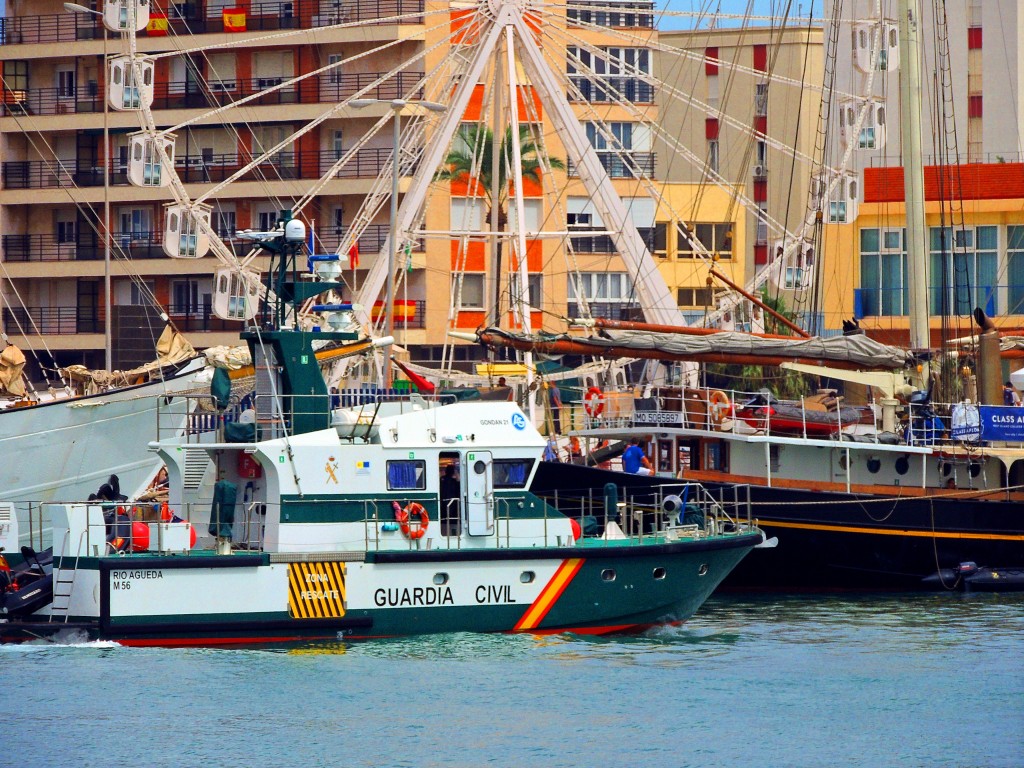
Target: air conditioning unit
(760, 170)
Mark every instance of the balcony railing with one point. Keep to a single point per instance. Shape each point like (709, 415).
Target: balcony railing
(606, 89)
(625, 165)
(199, 317)
(34, 321)
(296, 14)
(196, 169)
(330, 88)
(611, 14)
(135, 245)
(604, 244)
(608, 310)
(370, 242)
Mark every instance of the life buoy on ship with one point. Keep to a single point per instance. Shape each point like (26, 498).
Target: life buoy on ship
(718, 406)
(403, 516)
(593, 402)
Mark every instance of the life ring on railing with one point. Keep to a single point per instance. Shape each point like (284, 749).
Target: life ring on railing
(403, 517)
(718, 406)
(593, 402)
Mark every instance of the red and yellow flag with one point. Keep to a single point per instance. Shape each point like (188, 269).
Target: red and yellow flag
(234, 19)
(157, 26)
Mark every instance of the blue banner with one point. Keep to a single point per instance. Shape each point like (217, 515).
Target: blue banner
(1002, 422)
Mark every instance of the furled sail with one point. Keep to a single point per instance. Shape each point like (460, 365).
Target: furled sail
(727, 346)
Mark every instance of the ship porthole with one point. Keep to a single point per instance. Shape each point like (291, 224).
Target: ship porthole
(527, 577)
(608, 574)
(902, 465)
(946, 468)
(440, 579)
(659, 574)
(874, 465)
(975, 470)
(703, 569)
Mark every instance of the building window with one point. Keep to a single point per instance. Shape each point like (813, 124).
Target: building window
(608, 294)
(964, 269)
(16, 75)
(716, 238)
(1015, 269)
(65, 232)
(472, 290)
(221, 68)
(693, 297)
(612, 74)
(761, 99)
(883, 270)
(761, 236)
(66, 83)
(713, 155)
(623, 148)
(190, 297)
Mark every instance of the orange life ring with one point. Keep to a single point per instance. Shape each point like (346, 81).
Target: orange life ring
(403, 517)
(718, 405)
(593, 402)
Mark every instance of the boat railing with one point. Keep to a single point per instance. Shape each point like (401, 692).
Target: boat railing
(664, 511)
(824, 415)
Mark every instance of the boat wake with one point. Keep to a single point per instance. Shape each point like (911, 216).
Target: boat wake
(69, 639)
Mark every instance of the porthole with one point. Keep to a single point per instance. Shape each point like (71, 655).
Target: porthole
(946, 468)
(902, 465)
(659, 574)
(975, 469)
(527, 577)
(874, 465)
(703, 570)
(440, 579)
(480, 467)
(608, 574)
(844, 464)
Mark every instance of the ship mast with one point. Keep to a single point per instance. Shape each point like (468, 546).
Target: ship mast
(913, 172)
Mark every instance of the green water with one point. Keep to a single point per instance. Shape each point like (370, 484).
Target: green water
(916, 680)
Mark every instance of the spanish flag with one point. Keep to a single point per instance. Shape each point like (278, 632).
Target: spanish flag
(234, 19)
(157, 26)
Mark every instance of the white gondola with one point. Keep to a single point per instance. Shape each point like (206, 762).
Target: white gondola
(235, 297)
(123, 15)
(186, 230)
(888, 45)
(128, 92)
(872, 130)
(146, 168)
(797, 273)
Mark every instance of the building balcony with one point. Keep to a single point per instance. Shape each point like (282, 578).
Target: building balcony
(629, 15)
(623, 165)
(604, 244)
(330, 88)
(612, 89)
(44, 321)
(197, 169)
(134, 245)
(37, 321)
(608, 310)
(370, 242)
(193, 20)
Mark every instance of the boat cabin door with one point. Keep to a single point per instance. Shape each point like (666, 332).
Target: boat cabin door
(479, 486)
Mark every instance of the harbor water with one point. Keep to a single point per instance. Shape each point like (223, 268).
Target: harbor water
(906, 680)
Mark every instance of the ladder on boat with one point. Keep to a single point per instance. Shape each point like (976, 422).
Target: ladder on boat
(64, 583)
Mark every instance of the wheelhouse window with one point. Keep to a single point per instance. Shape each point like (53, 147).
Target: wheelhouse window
(511, 473)
(407, 475)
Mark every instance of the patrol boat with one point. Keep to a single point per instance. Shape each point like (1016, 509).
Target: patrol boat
(375, 518)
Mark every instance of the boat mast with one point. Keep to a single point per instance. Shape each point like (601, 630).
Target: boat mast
(913, 172)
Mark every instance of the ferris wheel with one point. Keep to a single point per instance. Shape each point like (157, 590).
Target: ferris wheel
(531, 124)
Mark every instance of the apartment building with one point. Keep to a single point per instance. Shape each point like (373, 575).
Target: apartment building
(743, 105)
(971, 141)
(59, 174)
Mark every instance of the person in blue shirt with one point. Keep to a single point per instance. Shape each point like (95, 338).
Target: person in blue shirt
(633, 460)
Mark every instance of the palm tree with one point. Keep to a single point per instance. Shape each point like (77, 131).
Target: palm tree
(472, 162)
